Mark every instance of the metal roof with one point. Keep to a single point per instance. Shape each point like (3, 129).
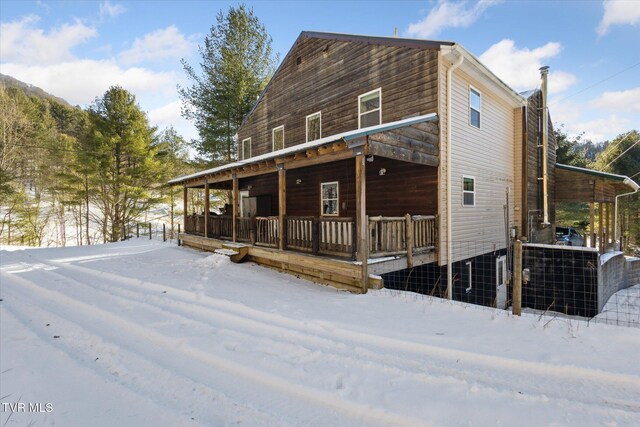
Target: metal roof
(606, 175)
(345, 136)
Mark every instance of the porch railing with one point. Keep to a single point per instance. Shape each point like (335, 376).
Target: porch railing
(337, 236)
(267, 231)
(300, 233)
(411, 234)
(244, 229)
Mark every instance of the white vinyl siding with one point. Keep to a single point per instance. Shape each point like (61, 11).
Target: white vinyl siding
(246, 148)
(486, 154)
(277, 136)
(370, 108)
(314, 126)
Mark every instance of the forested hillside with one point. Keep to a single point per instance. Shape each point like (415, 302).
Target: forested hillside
(74, 176)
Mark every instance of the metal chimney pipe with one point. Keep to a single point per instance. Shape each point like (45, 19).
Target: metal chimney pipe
(544, 71)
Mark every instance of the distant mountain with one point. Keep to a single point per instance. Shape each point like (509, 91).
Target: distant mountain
(29, 89)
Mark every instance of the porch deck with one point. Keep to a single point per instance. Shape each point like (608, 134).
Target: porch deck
(323, 249)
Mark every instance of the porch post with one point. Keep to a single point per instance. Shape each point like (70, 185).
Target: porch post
(362, 221)
(592, 224)
(282, 204)
(600, 224)
(234, 219)
(185, 207)
(607, 226)
(206, 208)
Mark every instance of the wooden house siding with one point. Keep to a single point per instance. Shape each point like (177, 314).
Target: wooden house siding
(330, 77)
(404, 188)
(487, 154)
(516, 193)
(534, 201)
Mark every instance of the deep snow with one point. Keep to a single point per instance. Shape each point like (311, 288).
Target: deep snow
(142, 333)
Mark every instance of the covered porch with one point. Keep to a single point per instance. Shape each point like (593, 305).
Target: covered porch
(362, 202)
(600, 190)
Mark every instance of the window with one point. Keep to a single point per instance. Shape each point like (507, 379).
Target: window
(474, 107)
(278, 138)
(469, 265)
(468, 191)
(370, 109)
(329, 194)
(314, 126)
(246, 148)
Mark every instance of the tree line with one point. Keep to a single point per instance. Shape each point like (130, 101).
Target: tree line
(84, 172)
(98, 170)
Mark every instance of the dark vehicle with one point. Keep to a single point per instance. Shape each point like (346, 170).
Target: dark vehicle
(568, 236)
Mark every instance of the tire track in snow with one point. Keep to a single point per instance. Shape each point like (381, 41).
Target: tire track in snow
(84, 346)
(416, 369)
(520, 367)
(157, 342)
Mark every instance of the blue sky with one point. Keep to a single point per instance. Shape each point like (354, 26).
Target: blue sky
(76, 50)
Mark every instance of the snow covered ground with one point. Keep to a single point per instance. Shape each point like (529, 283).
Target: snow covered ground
(142, 333)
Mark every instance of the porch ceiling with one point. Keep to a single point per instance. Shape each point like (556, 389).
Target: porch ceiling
(413, 140)
(575, 184)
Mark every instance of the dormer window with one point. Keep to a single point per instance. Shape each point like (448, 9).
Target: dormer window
(246, 148)
(314, 126)
(370, 109)
(474, 107)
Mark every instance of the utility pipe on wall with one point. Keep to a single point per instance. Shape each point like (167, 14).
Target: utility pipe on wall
(449, 234)
(615, 210)
(544, 71)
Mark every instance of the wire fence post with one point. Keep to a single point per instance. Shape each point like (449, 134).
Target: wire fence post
(137, 229)
(164, 232)
(178, 234)
(517, 278)
(149, 231)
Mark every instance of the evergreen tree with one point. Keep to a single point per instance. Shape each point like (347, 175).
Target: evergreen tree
(121, 146)
(237, 62)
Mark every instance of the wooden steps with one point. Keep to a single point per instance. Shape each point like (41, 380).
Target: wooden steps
(236, 252)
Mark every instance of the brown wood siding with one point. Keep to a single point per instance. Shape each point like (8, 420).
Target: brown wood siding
(534, 168)
(331, 76)
(405, 188)
(263, 185)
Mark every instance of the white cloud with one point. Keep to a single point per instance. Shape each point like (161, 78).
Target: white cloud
(626, 100)
(79, 82)
(22, 42)
(449, 14)
(169, 115)
(160, 44)
(519, 68)
(617, 13)
(601, 129)
(108, 10)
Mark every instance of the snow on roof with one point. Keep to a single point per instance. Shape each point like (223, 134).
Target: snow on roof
(528, 93)
(347, 136)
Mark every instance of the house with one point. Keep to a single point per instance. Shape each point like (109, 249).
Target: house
(370, 155)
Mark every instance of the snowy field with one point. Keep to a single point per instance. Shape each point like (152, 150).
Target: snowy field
(143, 333)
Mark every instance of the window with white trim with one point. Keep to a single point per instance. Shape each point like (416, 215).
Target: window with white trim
(370, 108)
(474, 107)
(329, 195)
(314, 126)
(468, 191)
(246, 148)
(277, 136)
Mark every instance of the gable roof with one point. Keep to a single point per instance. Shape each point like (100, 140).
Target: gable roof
(353, 38)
